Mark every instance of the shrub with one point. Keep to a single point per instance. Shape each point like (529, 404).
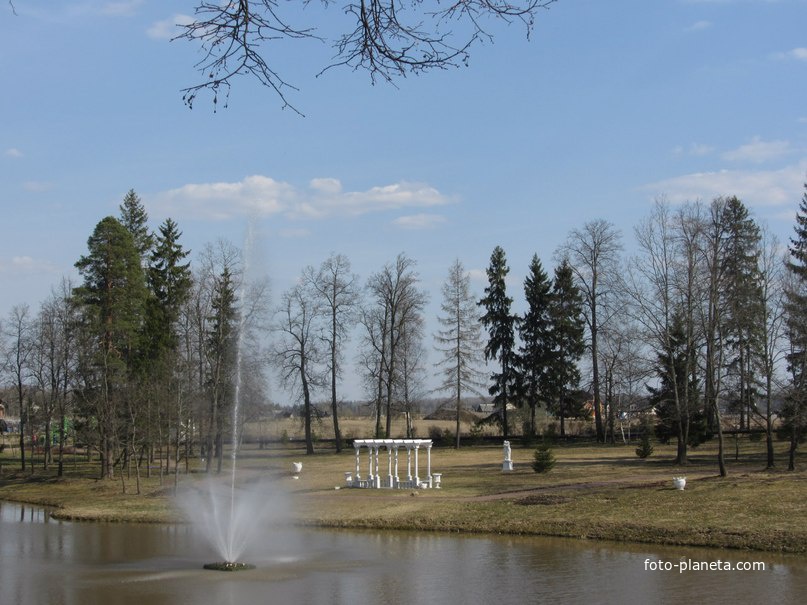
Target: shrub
(441, 436)
(645, 448)
(476, 433)
(543, 459)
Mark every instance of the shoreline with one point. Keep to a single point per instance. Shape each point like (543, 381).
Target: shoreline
(597, 493)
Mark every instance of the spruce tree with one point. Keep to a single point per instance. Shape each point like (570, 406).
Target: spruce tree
(501, 325)
(794, 412)
(743, 304)
(568, 346)
(222, 343)
(169, 280)
(134, 217)
(535, 330)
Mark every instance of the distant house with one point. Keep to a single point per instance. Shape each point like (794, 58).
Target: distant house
(489, 408)
(485, 408)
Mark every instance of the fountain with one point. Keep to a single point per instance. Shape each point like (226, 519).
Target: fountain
(228, 515)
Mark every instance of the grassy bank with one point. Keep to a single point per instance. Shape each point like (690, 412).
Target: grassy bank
(594, 492)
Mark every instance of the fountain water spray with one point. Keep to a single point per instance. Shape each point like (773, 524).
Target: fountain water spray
(228, 516)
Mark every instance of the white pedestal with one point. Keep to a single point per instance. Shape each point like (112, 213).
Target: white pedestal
(507, 466)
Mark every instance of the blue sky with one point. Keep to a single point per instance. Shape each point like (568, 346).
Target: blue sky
(605, 107)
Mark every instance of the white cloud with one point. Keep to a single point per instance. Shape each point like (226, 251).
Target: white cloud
(263, 196)
(328, 186)
(419, 221)
(798, 54)
(124, 8)
(254, 196)
(757, 188)
(699, 26)
(478, 275)
(37, 186)
(696, 149)
(758, 151)
(168, 28)
(354, 203)
(294, 233)
(26, 265)
(13, 152)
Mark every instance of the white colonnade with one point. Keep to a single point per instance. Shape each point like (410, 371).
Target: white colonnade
(390, 477)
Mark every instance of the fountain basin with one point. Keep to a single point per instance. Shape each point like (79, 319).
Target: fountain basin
(229, 566)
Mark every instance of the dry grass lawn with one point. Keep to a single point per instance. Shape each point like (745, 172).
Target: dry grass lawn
(595, 492)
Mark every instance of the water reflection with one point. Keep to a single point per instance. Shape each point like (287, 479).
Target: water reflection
(43, 560)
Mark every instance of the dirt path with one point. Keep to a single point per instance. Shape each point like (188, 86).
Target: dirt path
(635, 481)
(549, 490)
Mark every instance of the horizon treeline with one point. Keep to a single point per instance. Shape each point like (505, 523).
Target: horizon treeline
(704, 325)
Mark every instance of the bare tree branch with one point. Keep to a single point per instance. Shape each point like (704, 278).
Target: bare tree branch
(390, 38)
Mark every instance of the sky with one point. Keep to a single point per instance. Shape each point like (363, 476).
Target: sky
(605, 107)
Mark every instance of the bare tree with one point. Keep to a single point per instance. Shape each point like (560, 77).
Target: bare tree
(409, 386)
(624, 370)
(47, 366)
(460, 340)
(386, 38)
(398, 302)
(660, 285)
(771, 266)
(373, 356)
(336, 290)
(296, 352)
(18, 359)
(593, 253)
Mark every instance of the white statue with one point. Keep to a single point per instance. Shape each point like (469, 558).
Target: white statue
(508, 462)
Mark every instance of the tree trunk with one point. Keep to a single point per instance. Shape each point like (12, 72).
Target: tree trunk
(769, 424)
(334, 407)
(595, 385)
(309, 443)
(721, 461)
(562, 412)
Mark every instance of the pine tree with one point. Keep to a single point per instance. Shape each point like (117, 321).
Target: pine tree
(794, 412)
(535, 329)
(112, 297)
(501, 325)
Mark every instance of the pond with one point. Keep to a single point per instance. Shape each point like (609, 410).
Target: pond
(43, 560)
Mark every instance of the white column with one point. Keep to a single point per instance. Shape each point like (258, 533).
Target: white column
(389, 464)
(377, 469)
(358, 465)
(417, 478)
(429, 464)
(408, 462)
(370, 474)
(395, 449)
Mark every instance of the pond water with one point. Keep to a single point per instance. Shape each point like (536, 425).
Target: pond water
(45, 561)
